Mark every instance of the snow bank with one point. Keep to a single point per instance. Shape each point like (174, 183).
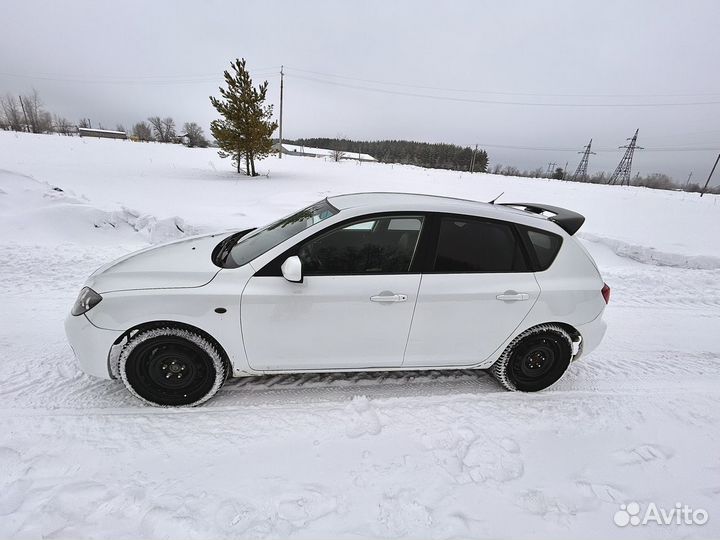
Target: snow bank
(650, 255)
(33, 212)
(166, 180)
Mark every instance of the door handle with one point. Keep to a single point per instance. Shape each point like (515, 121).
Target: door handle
(513, 297)
(389, 298)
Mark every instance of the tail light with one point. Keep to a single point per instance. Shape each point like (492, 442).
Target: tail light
(606, 292)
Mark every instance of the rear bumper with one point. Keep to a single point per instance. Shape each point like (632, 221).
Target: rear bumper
(91, 345)
(592, 334)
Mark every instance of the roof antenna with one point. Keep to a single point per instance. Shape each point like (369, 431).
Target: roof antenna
(496, 198)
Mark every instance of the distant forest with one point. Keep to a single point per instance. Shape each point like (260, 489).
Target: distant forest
(430, 155)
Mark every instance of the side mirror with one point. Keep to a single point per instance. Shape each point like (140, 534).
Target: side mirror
(292, 269)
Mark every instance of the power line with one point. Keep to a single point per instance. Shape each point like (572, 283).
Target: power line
(160, 80)
(134, 77)
(513, 103)
(604, 150)
(495, 92)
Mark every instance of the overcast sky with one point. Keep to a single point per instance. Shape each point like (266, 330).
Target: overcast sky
(438, 71)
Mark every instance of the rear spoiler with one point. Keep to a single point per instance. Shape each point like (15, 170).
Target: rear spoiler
(567, 219)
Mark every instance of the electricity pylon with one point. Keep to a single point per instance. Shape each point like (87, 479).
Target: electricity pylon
(622, 173)
(581, 171)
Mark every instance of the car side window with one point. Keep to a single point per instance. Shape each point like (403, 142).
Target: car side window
(382, 245)
(546, 246)
(475, 245)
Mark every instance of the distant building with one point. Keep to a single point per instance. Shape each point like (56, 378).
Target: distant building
(102, 133)
(309, 151)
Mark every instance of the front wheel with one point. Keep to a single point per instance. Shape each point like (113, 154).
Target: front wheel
(535, 359)
(171, 367)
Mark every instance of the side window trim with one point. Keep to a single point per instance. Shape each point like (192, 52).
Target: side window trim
(272, 268)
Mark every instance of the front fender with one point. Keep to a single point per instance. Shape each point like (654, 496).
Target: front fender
(196, 306)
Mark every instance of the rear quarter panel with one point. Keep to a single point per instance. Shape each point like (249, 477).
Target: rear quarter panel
(570, 288)
(569, 293)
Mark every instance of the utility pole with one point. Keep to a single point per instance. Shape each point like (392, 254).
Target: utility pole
(27, 124)
(472, 161)
(581, 172)
(282, 82)
(688, 180)
(709, 177)
(624, 168)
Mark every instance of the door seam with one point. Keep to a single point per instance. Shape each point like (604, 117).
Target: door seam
(412, 318)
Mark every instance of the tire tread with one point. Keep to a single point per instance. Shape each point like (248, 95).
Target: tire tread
(220, 365)
(499, 369)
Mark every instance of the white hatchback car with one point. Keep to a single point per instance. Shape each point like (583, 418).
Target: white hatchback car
(361, 282)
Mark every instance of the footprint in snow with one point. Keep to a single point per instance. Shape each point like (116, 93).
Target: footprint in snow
(402, 514)
(233, 516)
(361, 418)
(643, 454)
(472, 457)
(79, 499)
(166, 522)
(490, 460)
(12, 464)
(12, 496)
(603, 492)
(306, 506)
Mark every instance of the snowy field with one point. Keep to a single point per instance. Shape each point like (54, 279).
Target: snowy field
(413, 455)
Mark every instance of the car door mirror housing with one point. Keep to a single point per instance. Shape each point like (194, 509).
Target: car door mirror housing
(292, 269)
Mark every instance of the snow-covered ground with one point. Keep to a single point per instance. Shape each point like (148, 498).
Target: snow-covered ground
(419, 455)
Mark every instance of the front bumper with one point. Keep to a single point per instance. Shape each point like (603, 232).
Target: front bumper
(91, 345)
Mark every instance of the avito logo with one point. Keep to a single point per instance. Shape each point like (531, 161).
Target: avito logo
(680, 514)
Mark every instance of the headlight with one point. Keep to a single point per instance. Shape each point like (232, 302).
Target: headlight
(86, 300)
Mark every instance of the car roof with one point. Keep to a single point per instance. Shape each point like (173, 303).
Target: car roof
(390, 201)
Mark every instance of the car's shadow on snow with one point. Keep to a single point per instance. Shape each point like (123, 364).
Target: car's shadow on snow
(343, 385)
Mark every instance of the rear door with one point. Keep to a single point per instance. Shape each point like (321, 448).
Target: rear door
(477, 289)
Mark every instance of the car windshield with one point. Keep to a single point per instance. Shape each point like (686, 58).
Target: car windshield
(261, 240)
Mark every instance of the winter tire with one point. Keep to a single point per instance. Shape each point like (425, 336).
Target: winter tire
(171, 367)
(535, 359)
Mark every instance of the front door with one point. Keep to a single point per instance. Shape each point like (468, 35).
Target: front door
(353, 309)
(474, 296)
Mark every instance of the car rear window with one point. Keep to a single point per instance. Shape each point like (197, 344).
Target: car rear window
(546, 246)
(472, 245)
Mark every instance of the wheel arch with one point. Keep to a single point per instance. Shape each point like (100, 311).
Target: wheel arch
(570, 329)
(573, 332)
(149, 325)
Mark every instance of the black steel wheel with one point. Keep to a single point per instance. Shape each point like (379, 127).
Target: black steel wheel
(535, 359)
(171, 367)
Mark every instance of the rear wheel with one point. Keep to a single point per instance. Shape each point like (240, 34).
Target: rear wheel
(535, 359)
(171, 367)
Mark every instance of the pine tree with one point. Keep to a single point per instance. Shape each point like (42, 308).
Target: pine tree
(245, 130)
